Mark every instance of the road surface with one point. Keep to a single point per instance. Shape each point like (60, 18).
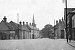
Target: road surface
(35, 44)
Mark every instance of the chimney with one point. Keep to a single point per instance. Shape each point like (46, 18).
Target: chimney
(59, 20)
(26, 23)
(23, 23)
(62, 18)
(5, 19)
(56, 22)
(20, 22)
(30, 24)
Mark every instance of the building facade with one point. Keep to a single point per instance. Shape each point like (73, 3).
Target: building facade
(70, 22)
(33, 29)
(73, 27)
(22, 32)
(59, 29)
(13, 30)
(6, 30)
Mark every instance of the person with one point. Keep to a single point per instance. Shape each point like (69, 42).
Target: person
(69, 38)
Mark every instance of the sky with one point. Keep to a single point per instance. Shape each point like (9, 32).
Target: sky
(45, 11)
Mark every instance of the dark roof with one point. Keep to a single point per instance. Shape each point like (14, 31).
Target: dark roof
(15, 25)
(18, 26)
(8, 25)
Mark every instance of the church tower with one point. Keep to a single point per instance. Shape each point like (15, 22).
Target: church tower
(33, 22)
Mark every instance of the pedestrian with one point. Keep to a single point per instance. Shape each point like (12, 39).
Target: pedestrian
(69, 38)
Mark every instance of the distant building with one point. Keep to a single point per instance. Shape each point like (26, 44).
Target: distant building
(6, 30)
(13, 30)
(34, 30)
(22, 32)
(59, 29)
(26, 32)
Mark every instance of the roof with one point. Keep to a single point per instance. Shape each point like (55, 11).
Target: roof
(7, 25)
(15, 25)
(24, 27)
(18, 26)
(30, 27)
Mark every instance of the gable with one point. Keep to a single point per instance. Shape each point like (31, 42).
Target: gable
(3, 26)
(14, 25)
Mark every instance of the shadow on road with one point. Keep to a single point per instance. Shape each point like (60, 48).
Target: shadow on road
(71, 44)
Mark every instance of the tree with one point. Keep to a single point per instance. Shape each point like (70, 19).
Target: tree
(46, 31)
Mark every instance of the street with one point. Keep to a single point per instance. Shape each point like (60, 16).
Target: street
(35, 44)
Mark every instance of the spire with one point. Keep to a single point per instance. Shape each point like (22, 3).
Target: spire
(33, 22)
(33, 19)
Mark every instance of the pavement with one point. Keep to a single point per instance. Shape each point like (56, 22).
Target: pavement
(36, 44)
(72, 43)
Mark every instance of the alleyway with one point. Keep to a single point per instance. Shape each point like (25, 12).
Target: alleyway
(35, 44)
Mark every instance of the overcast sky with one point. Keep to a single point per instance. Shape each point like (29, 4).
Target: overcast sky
(45, 11)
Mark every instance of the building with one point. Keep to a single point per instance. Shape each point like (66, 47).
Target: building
(33, 29)
(70, 22)
(73, 25)
(59, 29)
(6, 30)
(13, 30)
(21, 31)
(26, 32)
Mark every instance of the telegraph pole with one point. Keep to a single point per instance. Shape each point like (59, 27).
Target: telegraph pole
(65, 1)
(66, 21)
